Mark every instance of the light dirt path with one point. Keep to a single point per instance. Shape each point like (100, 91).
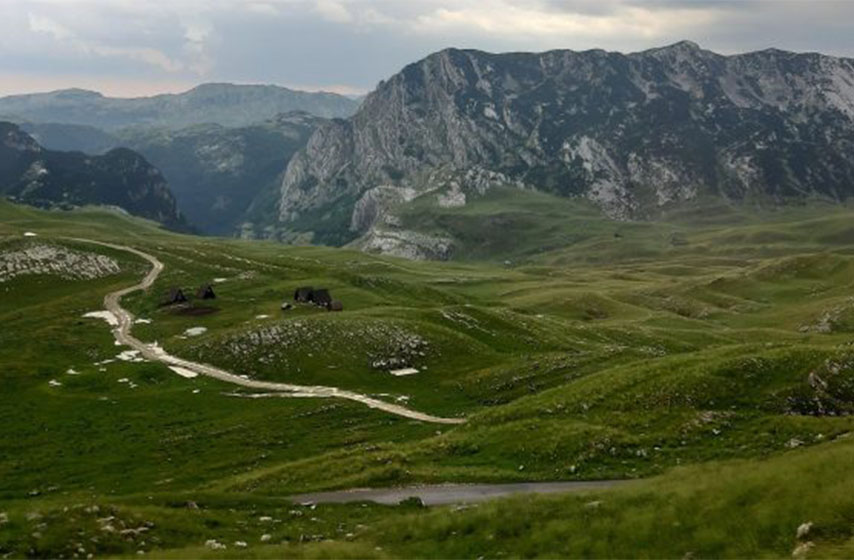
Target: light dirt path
(440, 494)
(122, 333)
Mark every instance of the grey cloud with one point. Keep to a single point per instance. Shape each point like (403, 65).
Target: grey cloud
(356, 43)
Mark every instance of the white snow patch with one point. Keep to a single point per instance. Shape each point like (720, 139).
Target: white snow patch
(54, 383)
(157, 349)
(29, 234)
(142, 321)
(184, 372)
(72, 371)
(403, 371)
(105, 315)
(219, 280)
(262, 316)
(130, 356)
(195, 331)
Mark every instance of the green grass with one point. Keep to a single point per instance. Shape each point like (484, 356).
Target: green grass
(707, 355)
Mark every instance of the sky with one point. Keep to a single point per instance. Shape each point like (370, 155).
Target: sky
(132, 48)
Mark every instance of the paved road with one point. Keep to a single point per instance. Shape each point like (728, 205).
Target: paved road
(439, 494)
(122, 333)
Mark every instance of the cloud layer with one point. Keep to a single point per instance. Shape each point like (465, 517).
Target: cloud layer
(130, 47)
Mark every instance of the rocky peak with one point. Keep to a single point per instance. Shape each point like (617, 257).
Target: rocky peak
(16, 139)
(632, 132)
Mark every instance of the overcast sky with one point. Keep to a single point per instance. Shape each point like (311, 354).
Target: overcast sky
(140, 47)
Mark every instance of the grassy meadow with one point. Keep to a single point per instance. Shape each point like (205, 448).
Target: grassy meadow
(707, 356)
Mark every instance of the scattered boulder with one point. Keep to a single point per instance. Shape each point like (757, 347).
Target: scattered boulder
(802, 549)
(803, 530)
(213, 544)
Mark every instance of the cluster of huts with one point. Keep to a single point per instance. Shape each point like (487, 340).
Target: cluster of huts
(176, 295)
(320, 297)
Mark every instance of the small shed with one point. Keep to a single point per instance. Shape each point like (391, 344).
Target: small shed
(206, 292)
(303, 294)
(176, 295)
(321, 297)
(335, 305)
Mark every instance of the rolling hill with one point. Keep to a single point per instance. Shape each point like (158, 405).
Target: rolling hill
(705, 355)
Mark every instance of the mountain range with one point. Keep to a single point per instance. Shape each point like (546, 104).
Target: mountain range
(221, 147)
(635, 134)
(449, 152)
(221, 103)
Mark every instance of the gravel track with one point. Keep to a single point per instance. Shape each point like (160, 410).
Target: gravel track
(152, 352)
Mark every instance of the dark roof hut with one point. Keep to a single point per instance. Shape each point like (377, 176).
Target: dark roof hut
(206, 292)
(335, 305)
(303, 294)
(321, 297)
(176, 295)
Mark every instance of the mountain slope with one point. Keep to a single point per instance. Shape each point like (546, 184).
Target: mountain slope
(225, 104)
(634, 133)
(121, 177)
(217, 173)
(225, 179)
(70, 137)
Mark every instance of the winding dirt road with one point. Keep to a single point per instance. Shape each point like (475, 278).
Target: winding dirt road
(122, 333)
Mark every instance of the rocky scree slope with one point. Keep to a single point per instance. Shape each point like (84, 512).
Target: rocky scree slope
(632, 132)
(121, 177)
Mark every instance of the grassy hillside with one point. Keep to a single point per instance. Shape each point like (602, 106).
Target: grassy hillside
(707, 355)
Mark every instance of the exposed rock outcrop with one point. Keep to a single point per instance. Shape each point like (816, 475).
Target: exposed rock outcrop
(632, 132)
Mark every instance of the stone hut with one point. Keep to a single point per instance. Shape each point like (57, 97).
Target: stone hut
(206, 292)
(321, 297)
(304, 294)
(176, 295)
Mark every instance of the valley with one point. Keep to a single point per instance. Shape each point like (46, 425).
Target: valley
(705, 356)
(567, 303)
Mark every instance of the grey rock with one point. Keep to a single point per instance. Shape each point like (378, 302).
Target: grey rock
(635, 133)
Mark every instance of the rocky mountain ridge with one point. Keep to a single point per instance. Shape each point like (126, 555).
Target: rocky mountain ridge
(634, 133)
(46, 178)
